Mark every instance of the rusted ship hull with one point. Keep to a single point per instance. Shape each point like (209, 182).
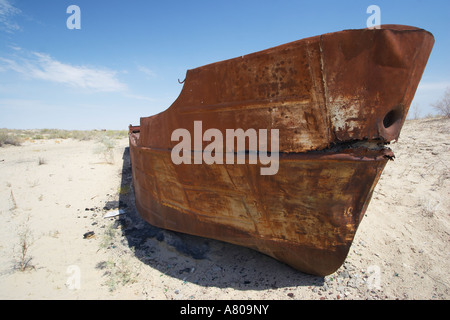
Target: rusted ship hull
(335, 100)
(306, 215)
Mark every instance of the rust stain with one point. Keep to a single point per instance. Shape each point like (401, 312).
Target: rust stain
(336, 99)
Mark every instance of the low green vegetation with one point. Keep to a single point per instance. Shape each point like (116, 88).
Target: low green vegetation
(16, 137)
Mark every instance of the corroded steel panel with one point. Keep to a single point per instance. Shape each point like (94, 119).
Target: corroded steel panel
(335, 100)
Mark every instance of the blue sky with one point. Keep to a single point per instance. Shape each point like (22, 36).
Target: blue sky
(125, 60)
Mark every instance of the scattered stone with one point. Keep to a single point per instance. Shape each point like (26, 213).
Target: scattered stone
(353, 283)
(344, 274)
(290, 295)
(160, 236)
(89, 235)
(187, 270)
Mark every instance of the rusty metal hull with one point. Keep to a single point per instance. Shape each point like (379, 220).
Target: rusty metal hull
(324, 95)
(306, 215)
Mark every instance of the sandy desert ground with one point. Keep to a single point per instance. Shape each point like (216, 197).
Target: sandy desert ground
(56, 243)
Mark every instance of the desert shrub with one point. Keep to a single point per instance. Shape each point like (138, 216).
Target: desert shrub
(82, 135)
(443, 106)
(9, 138)
(106, 147)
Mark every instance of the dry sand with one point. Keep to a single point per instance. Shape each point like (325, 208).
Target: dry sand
(55, 191)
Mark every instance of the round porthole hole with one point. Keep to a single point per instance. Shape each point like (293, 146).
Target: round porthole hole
(391, 117)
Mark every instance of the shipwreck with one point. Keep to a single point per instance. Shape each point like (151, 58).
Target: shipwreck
(321, 109)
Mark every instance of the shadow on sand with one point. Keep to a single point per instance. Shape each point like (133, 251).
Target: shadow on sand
(202, 261)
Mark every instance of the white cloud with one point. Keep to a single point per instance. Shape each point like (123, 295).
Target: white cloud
(147, 71)
(44, 67)
(16, 48)
(7, 12)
